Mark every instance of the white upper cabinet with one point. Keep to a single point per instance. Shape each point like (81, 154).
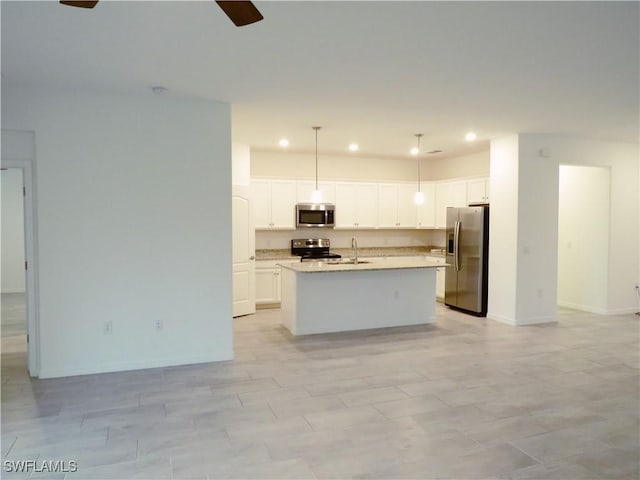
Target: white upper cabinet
(366, 205)
(261, 203)
(396, 208)
(449, 194)
(356, 205)
(306, 188)
(274, 204)
(478, 190)
(427, 211)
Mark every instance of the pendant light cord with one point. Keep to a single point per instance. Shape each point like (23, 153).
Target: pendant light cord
(419, 135)
(316, 129)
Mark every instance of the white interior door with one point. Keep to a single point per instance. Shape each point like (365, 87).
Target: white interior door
(244, 265)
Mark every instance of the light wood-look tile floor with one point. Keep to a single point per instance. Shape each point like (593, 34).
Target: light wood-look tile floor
(464, 398)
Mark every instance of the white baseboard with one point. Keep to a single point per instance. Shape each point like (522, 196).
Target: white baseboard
(126, 366)
(582, 308)
(520, 321)
(598, 310)
(623, 311)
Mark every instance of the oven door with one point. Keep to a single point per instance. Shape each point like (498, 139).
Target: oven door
(320, 258)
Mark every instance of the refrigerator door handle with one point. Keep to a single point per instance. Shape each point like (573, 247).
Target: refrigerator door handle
(456, 246)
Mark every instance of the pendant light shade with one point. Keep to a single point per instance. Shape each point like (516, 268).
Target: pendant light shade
(316, 195)
(418, 197)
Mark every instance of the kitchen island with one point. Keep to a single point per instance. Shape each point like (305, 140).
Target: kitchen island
(322, 297)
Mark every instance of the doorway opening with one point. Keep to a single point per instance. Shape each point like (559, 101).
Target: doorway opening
(19, 210)
(13, 327)
(583, 237)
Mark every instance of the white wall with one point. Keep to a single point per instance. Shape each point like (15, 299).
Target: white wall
(350, 167)
(331, 167)
(134, 226)
(503, 229)
(241, 164)
(342, 238)
(473, 165)
(624, 229)
(13, 257)
(583, 238)
(524, 176)
(537, 247)
(523, 230)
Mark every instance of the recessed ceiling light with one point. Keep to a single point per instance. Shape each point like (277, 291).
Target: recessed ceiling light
(354, 147)
(470, 136)
(283, 142)
(414, 151)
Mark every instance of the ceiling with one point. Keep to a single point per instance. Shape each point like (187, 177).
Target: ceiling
(374, 73)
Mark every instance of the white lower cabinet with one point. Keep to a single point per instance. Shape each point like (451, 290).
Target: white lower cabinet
(440, 273)
(267, 282)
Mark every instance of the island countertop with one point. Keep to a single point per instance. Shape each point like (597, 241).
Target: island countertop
(389, 263)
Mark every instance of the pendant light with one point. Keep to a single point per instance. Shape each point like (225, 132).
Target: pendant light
(316, 196)
(418, 197)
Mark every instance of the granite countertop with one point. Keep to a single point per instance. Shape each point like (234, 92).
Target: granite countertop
(275, 254)
(285, 253)
(392, 263)
(390, 251)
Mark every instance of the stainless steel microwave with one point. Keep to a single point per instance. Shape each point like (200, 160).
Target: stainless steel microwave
(315, 215)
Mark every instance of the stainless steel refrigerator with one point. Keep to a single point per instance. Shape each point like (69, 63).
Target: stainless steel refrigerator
(467, 258)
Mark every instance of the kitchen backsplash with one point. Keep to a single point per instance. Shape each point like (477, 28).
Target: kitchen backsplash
(342, 238)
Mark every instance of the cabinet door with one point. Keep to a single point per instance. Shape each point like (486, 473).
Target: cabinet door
(346, 205)
(305, 191)
(261, 203)
(427, 211)
(478, 190)
(387, 206)
(366, 204)
(440, 273)
(458, 194)
(407, 209)
(440, 276)
(267, 285)
(449, 194)
(283, 204)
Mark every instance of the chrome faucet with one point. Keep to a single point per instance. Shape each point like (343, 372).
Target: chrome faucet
(354, 245)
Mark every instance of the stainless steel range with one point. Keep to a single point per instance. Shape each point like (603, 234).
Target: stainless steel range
(312, 249)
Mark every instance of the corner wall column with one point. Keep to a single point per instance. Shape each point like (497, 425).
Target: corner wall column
(523, 245)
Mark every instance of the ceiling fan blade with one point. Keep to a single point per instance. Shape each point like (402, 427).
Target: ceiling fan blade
(79, 3)
(240, 12)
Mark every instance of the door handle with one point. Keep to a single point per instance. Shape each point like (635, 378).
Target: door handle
(456, 246)
(252, 257)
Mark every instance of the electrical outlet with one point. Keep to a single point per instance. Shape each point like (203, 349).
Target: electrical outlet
(107, 328)
(158, 325)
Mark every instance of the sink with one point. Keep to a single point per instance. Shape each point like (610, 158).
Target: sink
(348, 261)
